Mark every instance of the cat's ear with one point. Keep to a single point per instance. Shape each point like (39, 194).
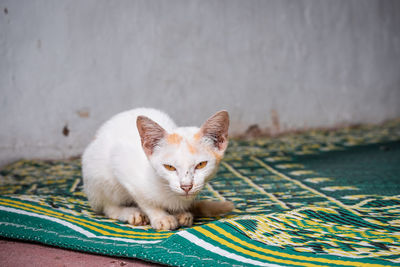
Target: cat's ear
(150, 133)
(216, 130)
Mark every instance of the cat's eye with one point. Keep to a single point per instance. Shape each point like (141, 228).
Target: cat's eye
(169, 167)
(201, 165)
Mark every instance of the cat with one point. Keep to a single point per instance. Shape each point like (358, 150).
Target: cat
(141, 168)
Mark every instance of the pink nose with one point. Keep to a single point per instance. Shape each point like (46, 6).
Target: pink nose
(186, 188)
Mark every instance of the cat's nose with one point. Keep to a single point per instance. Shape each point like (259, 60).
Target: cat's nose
(186, 188)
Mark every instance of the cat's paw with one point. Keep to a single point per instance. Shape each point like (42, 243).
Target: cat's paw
(185, 218)
(138, 218)
(166, 222)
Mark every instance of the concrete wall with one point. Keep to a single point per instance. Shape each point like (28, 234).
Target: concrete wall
(72, 64)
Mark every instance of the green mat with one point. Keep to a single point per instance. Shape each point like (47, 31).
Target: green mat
(320, 198)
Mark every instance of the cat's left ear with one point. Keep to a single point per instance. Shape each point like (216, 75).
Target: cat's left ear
(150, 133)
(216, 130)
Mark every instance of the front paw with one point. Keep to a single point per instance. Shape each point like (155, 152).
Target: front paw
(166, 222)
(185, 218)
(138, 218)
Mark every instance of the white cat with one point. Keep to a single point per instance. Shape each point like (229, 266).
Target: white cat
(141, 167)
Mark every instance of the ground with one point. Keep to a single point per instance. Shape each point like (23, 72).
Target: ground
(15, 253)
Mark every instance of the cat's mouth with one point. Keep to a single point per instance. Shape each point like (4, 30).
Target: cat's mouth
(187, 195)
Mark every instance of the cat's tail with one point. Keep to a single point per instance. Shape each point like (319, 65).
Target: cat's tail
(206, 208)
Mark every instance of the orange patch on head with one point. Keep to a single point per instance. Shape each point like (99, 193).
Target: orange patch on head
(197, 136)
(191, 148)
(174, 139)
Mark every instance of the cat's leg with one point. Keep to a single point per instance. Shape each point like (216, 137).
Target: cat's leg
(184, 218)
(132, 215)
(159, 218)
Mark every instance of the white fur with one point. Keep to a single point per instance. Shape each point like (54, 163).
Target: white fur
(118, 175)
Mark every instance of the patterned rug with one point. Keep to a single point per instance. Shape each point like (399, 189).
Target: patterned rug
(320, 198)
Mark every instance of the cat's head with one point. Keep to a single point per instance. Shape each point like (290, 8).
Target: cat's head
(187, 157)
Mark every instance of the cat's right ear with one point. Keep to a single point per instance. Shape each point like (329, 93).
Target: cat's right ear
(150, 133)
(216, 129)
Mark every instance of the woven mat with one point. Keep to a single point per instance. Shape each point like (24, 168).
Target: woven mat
(314, 199)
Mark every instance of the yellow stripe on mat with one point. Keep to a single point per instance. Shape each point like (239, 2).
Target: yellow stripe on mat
(83, 222)
(305, 261)
(103, 232)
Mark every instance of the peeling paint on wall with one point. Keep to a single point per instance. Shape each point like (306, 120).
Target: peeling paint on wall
(83, 113)
(65, 130)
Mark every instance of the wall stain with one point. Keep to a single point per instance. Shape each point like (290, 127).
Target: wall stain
(65, 130)
(39, 44)
(5, 11)
(275, 121)
(83, 113)
(253, 131)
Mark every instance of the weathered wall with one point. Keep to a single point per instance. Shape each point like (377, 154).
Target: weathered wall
(76, 63)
